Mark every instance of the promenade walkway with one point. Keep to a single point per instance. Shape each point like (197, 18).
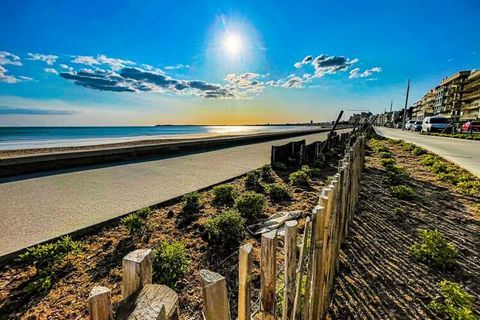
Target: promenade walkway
(38, 208)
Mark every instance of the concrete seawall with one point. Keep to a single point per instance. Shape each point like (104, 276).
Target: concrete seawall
(43, 162)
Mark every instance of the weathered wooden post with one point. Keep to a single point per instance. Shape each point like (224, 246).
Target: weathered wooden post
(319, 263)
(215, 297)
(100, 304)
(268, 278)
(156, 302)
(299, 280)
(244, 279)
(290, 267)
(137, 272)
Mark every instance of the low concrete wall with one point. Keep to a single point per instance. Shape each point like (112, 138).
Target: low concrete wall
(54, 161)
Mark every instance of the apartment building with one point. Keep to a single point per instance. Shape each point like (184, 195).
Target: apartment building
(457, 97)
(448, 99)
(471, 97)
(424, 107)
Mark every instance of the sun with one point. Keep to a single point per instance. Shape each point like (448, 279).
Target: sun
(232, 43)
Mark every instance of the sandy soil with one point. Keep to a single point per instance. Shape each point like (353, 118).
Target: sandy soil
(100, 262)
(133, 143)
(378, 278)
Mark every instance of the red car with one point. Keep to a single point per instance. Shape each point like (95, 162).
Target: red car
(471, 126)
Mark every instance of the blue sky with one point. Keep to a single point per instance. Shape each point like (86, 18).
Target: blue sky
(224, 62)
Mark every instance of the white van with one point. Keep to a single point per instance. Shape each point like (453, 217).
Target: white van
(432, 124)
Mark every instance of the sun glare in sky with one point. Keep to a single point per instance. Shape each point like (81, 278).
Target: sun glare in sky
(232, 43)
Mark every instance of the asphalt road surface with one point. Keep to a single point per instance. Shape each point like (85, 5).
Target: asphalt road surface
(464, 153)
(34, 209)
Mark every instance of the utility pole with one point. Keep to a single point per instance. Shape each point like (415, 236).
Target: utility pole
(406, 104)
(391, 114)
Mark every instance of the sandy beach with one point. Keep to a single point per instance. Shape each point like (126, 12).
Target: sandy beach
(96, 144)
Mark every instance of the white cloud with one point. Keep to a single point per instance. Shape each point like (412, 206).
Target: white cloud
(64, 66)
(177, 67)
(101, 59)
(114, 63)
(50, 70)
(47, 58)
(6, 78)
(9, 58)
(86, 60)
(355, 73)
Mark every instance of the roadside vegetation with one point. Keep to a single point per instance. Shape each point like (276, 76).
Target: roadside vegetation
(413, 246)
(434, 250)
(468, 136)
(453, 302)
(170, 263)
(48, 260)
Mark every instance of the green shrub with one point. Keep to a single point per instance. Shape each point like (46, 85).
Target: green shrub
(224, 194)
(299, 178)
(450, 177)
(250, 204)
(192, 202)
(48, 259)
(469, 188)
(387, 162)
(434, 250)
(439, 166)
(253, 181)
(226, 229)
(278, 192)
(267, 172)
(170, 263)
(144, 213)
(385, 155)
(134, 224)
(279, 166)
(305, 168)
(428, 159)
(316, 172)
(454, 302)
(396, 175)
(407, 146)
(419, 151)
(399, 214)
(403, 192)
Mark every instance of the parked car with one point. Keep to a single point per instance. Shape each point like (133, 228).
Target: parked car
(416, 126)
(432, 124)
(408, 124)
(471, 126)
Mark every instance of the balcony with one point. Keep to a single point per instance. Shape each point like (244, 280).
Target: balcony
(471, 95)
(472, 85)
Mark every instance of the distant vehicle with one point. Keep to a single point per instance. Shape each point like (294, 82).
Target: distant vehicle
(471, 126)
(432, 124)
(408, 124)
(398, 125)
(416, 126)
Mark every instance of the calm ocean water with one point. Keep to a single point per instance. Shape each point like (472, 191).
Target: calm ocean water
(12, 138)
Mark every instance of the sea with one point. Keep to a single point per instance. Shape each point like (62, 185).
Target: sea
(14, 138)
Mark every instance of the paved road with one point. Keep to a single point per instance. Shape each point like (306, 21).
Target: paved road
(465, 153)
(37, 209)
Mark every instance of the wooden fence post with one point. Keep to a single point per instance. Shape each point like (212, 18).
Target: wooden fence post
(244, 279)
(316, 259)
(100, 304)
(137, 272)
(215, 297)
(268, 277)
(299, 280)
(327, 246)
(290, 268)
